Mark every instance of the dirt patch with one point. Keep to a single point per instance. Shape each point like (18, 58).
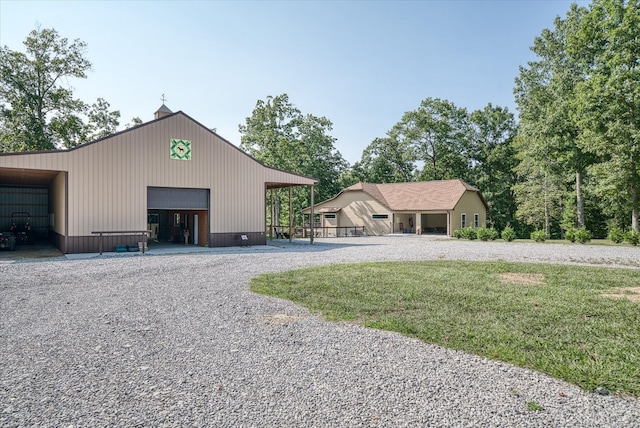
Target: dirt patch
(629, 293)
(522, 278)
(281, 319)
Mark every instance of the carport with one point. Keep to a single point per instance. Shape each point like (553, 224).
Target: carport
(28, 195)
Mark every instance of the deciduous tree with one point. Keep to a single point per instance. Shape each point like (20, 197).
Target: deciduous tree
(545, 94)
(492, 156)
(37, 108)
(608, 102)
(279, 135)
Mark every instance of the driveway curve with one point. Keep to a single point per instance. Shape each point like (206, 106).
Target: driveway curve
(179, 340)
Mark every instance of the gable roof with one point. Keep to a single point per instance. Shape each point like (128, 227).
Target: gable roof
(32, 178)
(419, 195)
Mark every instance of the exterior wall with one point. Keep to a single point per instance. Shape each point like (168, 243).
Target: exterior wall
(57, 205)
(106, 181)
(357, 209)
(469, 204)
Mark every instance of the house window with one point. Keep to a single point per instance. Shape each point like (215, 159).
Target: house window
(463, 220)
(379, 216)
(476, 220)
(330, 216)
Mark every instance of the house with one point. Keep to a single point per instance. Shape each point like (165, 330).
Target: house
(171, 175)
(417, 207)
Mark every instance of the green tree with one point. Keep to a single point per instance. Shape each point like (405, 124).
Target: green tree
(279, 135)
(608, 102)
(439, 134)
(136, 121)
(387, 160)
(493, 158)
(538, 193)
(37, 110)
(545, 93)
(102, 122)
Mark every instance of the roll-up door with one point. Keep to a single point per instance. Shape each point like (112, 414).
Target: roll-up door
(171, 198)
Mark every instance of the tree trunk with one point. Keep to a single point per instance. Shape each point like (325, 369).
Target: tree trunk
(579, 199)
(547, 223)
(634, 198)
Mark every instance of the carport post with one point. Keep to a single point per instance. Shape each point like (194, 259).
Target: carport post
(290, 214)
(313, 217)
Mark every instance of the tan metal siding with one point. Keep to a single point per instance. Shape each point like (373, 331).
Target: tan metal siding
(56, 203)
(107, 180)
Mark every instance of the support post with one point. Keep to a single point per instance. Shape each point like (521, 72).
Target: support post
(313, 216)
(271, 217)
(290, 215)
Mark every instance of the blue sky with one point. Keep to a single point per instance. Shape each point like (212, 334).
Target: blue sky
(361, 64)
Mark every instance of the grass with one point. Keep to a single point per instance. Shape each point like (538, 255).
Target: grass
(562, 326)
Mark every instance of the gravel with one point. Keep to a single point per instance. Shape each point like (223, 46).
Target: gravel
(178, 339)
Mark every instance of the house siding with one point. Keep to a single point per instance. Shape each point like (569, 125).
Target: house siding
(357, 209)
(469, 204)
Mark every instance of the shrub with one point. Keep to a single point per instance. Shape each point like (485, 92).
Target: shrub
(539, 235)
(469, 233)
(508, 234)
(632, 237)
(493, 234)
(487, 234)
(570, 235)
(616, 235)
(457, 233)
(582, 235)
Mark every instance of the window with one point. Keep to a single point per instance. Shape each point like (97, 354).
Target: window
(476, 220)
(463, 220)
(330, 216)
(176, 219)
(379, 216)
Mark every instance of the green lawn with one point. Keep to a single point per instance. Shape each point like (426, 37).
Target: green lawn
(553, 318)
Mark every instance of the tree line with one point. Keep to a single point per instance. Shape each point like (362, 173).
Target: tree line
(569, 161)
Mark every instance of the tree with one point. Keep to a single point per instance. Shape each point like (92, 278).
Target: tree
(387, 160)
(493, 159)
(37, 111)
(102, 122)
(545, 93)
(539, 192)
(608, 102)
(135, 121)
(438, 132)
(279, 135)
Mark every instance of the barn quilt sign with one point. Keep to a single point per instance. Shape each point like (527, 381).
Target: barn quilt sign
(180, 149)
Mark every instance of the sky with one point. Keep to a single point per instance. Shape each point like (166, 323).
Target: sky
(361, 64)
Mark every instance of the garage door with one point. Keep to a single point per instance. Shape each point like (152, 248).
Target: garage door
(171, 198)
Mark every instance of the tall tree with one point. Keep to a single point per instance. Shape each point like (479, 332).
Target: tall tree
(439, 133)
(545, 94)
(608, 102)
(37, 110)
(279, 135)
(102, 122)
(387, 160)
(539, 192)
(493, 158)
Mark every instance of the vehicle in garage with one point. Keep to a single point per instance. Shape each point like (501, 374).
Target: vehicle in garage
(7, 240)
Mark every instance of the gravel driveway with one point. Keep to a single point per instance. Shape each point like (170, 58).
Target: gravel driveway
(179, 340)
